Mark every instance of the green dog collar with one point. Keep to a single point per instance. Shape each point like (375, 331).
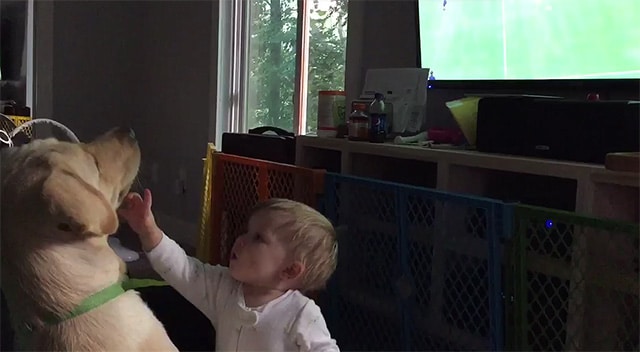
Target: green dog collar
(105, 295)
(90, 303)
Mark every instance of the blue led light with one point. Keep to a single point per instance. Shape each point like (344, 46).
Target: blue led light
(548, 224)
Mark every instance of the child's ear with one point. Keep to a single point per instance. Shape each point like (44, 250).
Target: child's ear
(293, 271)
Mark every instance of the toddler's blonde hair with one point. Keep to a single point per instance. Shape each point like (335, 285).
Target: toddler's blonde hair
(313, 240)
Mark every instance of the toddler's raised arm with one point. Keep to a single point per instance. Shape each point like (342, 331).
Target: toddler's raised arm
(198, 282)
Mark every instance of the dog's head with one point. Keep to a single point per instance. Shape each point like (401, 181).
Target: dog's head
(71, 189)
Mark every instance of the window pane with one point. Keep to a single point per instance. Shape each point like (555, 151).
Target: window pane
(272, 63)
(327, 52)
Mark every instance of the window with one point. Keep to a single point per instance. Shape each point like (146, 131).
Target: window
(283, 53)
(272, 63)
(327, 53)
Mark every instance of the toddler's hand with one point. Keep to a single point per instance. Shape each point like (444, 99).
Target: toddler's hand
(136, 210)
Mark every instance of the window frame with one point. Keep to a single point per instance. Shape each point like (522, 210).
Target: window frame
(233, 67)
(302, 68)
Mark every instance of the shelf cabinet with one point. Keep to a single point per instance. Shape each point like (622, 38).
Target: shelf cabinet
(587, 189)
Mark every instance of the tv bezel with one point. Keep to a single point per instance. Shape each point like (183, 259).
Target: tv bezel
(587, 84)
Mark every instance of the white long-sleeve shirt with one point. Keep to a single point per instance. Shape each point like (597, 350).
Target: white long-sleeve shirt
(291, 322)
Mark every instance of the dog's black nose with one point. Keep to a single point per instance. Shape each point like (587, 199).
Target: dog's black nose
(126, 132)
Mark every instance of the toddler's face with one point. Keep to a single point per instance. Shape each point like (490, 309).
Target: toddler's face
(259, 256)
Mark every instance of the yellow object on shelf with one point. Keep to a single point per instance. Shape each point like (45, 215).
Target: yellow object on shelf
(465, 112)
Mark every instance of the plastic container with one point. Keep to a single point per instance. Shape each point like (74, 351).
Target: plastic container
(331, 112)
(377, 120)
(465, 113)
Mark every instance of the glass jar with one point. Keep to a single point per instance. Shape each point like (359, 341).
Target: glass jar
(358, 124)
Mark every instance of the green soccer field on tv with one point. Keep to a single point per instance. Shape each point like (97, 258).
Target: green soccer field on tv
(530, 39)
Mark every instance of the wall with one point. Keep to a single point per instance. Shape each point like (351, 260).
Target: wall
(174, 116)
(93, 66)
(144, 64)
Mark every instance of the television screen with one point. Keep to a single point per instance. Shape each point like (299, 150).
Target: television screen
(530, 39)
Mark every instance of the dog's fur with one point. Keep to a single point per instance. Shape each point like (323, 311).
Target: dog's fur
(59, 204)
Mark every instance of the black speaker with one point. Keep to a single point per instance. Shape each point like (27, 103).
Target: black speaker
(572, 130)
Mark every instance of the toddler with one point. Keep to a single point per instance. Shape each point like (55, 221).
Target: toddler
(256, 303)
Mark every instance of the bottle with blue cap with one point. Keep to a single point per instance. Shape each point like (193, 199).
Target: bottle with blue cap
(378, 119)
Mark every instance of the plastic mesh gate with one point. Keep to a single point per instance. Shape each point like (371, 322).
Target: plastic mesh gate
(418, 269)
(203, 249)
(576, 282)
(238, 183)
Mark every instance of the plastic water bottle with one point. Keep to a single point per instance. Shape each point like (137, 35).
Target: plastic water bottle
(378, 120)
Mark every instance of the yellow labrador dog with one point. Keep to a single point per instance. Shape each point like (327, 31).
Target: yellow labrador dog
(59, 275)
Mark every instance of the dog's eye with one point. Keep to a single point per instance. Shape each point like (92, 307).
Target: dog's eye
(64, 227)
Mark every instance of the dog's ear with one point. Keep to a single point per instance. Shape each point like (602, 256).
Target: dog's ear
(77, 206)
